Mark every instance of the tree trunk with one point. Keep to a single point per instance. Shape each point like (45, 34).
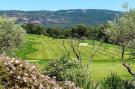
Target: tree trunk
(124, 64)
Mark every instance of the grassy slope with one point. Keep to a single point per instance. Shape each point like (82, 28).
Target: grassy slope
(41, 49)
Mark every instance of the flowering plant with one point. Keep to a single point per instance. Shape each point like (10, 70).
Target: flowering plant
(16, 73)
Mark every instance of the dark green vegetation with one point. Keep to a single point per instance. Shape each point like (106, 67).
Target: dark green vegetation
(114, 81)
(64, 18)
(81, 31)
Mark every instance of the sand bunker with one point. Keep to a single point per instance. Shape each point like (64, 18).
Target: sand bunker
(84, 44)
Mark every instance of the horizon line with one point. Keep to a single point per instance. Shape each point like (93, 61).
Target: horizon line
(55, 10)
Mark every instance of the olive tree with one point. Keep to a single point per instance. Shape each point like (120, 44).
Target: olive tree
(11, 34)
(122, 32)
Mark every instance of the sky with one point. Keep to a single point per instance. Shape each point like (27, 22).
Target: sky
(54, 5)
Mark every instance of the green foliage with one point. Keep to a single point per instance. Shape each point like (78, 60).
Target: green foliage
(34, 29)
(79, 31)
(112, 82)
(11, 34)
(122, 29)
(101, 34)
(128, 85)
(70, 70)
(80, 76)
(56, 67)
(95, 32)
(115, 82)
(122, 32)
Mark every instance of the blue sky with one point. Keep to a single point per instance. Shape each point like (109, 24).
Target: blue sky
(63, 4)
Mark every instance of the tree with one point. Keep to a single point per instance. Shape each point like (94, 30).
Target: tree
(11, 34)
(34, 29)
(49, 31)
(92, 32)
(30, 28)
(101, 35)
(122, 31)
(40, 30)
(79, 31)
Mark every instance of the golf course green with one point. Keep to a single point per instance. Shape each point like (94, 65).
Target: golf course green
(40, 50)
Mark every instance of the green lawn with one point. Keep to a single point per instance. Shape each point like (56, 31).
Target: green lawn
(41, 49)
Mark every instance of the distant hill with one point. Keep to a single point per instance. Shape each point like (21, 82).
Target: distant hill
(63, 17)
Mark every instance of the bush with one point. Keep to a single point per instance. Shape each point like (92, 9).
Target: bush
(18, 74)
(115, 82)
(112, 82)
(11, 34)
(128, 85)
(34, 29)
(71, 70)
(56, 67)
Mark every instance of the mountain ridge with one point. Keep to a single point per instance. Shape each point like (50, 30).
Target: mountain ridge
(62, 17)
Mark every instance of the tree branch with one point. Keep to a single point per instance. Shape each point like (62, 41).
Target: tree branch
(66, 48)
(123, 62)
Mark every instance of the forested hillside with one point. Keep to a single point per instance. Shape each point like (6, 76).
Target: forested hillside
(63, 17)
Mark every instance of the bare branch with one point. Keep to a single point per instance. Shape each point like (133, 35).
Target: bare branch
(68, 53)
(75, 49)
(94, 53)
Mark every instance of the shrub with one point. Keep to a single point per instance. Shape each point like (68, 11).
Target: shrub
(69, 69)
(128, 85)
(56, 67)
(115, 82)
(11, 34)
(112, 82)
(18, 74)
(78, 76)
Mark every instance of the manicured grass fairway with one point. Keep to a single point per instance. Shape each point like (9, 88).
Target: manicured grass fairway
(41, 49)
